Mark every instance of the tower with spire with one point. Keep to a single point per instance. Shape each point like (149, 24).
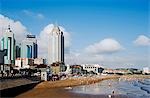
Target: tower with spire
(8, 43)
(56, 47)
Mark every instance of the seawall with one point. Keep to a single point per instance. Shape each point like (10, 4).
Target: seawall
(13, 87)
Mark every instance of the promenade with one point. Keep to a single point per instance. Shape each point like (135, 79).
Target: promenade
(12, 86)
(10, 82)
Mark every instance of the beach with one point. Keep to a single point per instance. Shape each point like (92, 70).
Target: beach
(61, 89)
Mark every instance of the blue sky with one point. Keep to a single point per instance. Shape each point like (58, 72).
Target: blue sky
(88, 21)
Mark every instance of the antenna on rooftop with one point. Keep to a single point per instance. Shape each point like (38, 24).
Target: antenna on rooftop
(9, 26)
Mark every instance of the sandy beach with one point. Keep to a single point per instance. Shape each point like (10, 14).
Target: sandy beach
(73, 82)
(56, 89)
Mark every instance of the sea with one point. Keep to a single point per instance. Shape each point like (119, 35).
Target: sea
(133, 88)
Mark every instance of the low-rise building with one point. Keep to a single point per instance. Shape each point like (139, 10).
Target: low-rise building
(39, 61)
(120, 71)
(76, 69)
(22, 63)
(96, 68)
(146, 70)
(55, 68)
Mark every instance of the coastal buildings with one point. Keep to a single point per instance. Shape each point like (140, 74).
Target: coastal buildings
(2, 54)
(29, 47)
(96, 68)
(85, 69)
(56, 46)
(146, 70)
(22, 63)
(26, 52)
(76, 69)
(8, 43)
(56, 50)
(122, 71)
(39, 61)
(114, 71)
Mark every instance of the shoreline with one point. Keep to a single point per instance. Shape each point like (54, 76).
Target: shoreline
(71, 82)
(56, 89)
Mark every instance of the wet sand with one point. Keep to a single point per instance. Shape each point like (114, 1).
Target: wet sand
(61, 93)
(56, 89)
(70, 82)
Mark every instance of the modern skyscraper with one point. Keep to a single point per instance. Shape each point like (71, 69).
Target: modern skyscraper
(56, 46)
(29, 47)
(8, 43)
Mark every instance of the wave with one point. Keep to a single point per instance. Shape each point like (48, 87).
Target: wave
(145, 82)
(147, 89)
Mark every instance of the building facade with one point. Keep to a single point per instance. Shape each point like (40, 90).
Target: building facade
(56, 46)
(29, 47)
(39, 61)
(76, 69)
(96, 68)
(8, 43)
(56, 50)
(22, 63)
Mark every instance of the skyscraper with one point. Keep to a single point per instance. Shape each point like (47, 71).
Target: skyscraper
(8, 43)
(56, 46)
(29, 47)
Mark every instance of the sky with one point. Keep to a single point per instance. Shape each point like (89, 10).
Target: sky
(113, 33)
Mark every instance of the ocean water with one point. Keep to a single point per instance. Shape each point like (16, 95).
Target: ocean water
(136, 88)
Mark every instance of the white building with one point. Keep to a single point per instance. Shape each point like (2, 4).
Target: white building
(39, 61)
(22, 63)
(44, 75)
(56, 46)
(146, 70)
(91, 67)
(68, 70)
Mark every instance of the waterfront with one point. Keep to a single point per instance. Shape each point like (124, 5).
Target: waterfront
(74, 49)
(139, 88)
(101, 89)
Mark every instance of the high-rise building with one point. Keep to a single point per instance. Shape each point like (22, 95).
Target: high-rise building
(56, 47)
(29, 47)
(8, 43)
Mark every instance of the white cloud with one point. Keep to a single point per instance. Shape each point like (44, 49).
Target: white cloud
(39, 15)
(43, 39)
(27, 12)
(17, 28)
(33, 14)
(142, 40)
(107, 45)
(130, 60)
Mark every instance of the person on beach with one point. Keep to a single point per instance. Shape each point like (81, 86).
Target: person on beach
(109, 96)
(113, 92)
(109, 84)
